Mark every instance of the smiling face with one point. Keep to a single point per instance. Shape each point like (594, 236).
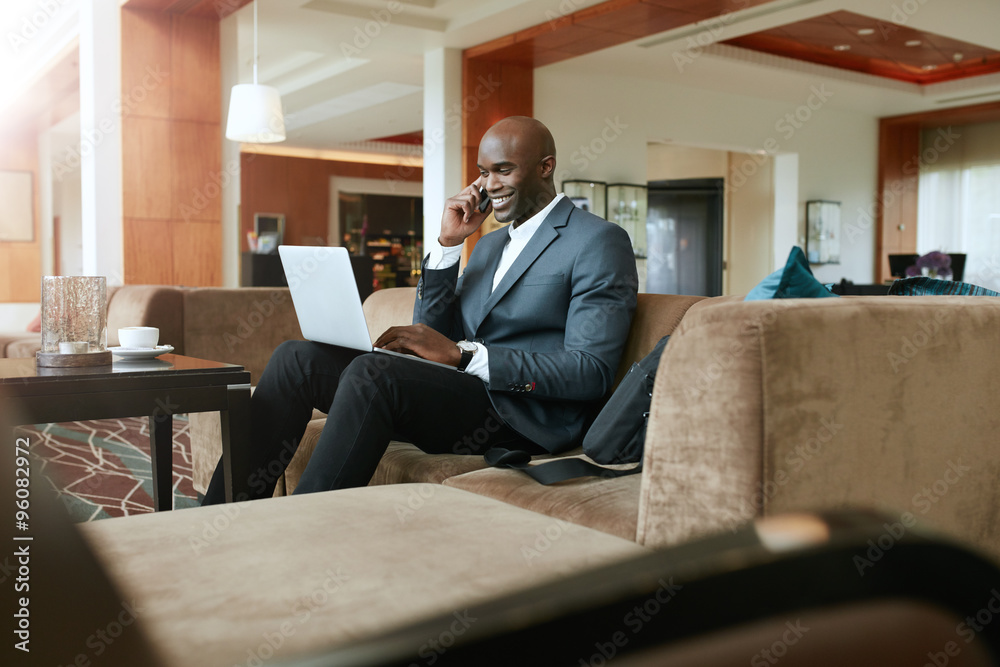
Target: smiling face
(516, 163)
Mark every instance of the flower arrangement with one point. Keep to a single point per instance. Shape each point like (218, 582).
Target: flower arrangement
(933, 265)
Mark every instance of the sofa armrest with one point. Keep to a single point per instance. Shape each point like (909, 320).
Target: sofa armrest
(389, 307)
(775, 406)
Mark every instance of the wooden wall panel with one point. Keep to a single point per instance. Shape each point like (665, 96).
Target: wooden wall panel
(149, 258)
(5, 277)
(21, 261)
(196, 83)
(26, 269)
(194, 171)
(146, 167)
(172, 152)
(308, 203)
(300, 189)
(500, 89)
(196, 249)
(147, 77)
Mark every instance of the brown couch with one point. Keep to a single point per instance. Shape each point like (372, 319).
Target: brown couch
(764, 407)
(759, 408)
(656, 316)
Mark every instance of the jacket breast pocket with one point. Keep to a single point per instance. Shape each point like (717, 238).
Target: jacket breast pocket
(544, 279)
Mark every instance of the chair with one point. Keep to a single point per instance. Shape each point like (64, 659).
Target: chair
(899, 263)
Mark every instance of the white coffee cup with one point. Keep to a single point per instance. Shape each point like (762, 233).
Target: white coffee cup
(138, 337)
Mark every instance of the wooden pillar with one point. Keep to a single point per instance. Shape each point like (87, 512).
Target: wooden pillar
(491, 91)
(172, 148)
(898, 178)
(21, 257)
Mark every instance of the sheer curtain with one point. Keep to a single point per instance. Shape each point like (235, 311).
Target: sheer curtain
(959, 200)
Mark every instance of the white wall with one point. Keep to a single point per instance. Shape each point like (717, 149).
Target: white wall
(602, 125)
(669, 162)
(66, 198)
(229, 67)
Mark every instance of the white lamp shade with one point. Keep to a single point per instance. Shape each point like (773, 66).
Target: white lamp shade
(255, 115)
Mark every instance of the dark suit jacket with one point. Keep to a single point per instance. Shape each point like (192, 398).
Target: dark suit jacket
(555, 326)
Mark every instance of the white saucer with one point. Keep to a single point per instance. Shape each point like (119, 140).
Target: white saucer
(140, 352)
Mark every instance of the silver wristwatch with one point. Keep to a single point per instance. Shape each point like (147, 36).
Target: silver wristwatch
(468, 350)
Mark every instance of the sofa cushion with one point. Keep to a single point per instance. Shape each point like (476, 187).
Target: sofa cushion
(401, 463)
(302, 573)
(794, 281)
(922, 285)
(608, 505)
(19, 345)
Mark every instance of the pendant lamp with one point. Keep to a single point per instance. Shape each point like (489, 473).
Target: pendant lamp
(255, 114)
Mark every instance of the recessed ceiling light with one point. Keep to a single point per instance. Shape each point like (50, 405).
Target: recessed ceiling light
(842, 47)
(928, 68)
(866, 31)
(957, 57)
(912, 42)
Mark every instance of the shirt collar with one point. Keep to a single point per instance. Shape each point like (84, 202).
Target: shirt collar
(528, 227)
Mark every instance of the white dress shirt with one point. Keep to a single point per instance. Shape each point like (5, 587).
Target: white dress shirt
(442, 258)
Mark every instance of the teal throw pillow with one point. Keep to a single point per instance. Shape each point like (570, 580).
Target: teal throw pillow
(795, 281)
(922, 285)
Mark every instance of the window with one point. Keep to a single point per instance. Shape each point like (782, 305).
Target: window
(959, 198)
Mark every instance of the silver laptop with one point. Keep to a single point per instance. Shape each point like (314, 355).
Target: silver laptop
(326, 299)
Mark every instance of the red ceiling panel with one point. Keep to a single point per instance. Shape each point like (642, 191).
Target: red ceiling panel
(601, 26)
(852, 41)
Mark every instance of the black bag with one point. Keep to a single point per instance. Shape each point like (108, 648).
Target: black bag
(616, 436)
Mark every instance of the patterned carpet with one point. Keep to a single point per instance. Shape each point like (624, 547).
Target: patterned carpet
(101, 469)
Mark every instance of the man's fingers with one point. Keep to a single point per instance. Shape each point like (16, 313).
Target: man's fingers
(387, 337)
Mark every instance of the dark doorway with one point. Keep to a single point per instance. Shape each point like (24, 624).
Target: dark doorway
(684, 235)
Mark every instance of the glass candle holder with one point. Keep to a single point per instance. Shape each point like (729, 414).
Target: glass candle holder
(74, 321)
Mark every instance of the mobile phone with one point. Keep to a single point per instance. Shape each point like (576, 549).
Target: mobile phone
(484, 200)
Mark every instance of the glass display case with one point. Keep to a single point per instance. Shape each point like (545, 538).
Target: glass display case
(588, 195)
(823, 232)
(627, 205)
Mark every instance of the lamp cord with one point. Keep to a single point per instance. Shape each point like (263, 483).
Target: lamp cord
(255, 42)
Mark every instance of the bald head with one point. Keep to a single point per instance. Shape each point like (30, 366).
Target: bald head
(517, 159)
(526, 132)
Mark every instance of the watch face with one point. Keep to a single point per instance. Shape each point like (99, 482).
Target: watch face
(467, 346)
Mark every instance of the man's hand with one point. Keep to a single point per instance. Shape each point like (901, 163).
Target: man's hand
(461, 216)
(423, 341)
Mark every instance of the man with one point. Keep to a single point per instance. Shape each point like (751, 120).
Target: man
(536, 323)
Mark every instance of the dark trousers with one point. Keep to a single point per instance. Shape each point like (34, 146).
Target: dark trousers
(369, 399)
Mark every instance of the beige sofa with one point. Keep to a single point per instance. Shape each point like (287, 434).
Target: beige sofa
(759, 408)
(764, 407)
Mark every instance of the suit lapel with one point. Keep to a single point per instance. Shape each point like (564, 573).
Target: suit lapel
(540, 240)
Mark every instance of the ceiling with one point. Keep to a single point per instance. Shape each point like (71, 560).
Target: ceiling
(351, 71)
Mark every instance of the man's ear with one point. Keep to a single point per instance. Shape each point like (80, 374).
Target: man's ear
(547, 166)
